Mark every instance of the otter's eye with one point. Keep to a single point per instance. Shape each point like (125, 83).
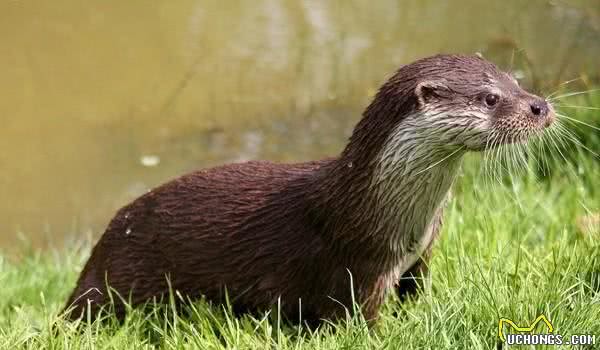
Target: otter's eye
(491, 100)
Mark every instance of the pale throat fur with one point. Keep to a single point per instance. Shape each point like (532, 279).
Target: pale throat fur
(415, 170)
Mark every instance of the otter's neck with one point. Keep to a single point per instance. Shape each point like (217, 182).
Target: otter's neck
(387, 188)
(410, 180)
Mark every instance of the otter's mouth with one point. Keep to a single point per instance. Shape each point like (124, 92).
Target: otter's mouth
(495, 140)
(516, 137)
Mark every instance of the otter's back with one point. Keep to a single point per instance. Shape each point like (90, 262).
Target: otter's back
(232, 227)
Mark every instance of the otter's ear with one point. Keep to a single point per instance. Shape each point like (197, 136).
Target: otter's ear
(429, 90)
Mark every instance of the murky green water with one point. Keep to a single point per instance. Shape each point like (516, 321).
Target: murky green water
(102, 100)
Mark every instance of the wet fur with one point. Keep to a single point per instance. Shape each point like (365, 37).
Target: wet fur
(306, 236)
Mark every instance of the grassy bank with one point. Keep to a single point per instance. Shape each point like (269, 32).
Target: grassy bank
(514, 249)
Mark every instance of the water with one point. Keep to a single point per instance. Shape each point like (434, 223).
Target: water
(103, 100)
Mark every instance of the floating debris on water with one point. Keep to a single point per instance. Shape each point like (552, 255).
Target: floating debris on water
(150, 160)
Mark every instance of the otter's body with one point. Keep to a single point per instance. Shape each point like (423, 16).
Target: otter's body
(311, 236)
(258, 230)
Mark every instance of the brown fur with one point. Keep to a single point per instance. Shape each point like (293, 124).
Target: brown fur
(269, 233)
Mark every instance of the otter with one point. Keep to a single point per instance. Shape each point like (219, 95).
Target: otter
(316, 238)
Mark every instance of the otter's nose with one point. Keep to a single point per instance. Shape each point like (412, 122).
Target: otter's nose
(539, 108)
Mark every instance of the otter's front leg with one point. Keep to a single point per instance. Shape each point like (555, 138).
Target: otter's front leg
(413, 279)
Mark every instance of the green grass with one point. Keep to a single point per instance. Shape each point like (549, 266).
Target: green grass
(512, 249)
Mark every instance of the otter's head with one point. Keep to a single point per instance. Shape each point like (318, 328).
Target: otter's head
(462, 101)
